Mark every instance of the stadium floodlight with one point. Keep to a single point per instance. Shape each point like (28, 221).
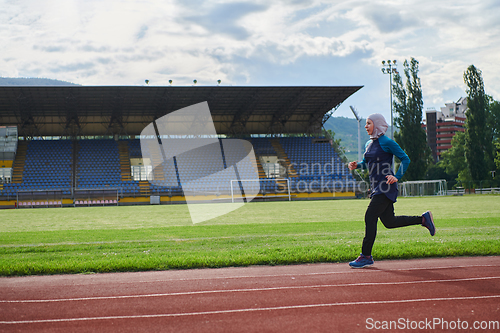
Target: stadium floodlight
(358, 118)
(389, 67)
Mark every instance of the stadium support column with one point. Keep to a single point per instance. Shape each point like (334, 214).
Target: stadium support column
(115, 125)
(285, 112)
(319, 117)
(243, 114)
(72, 127)
(76, 146)
(28, 127)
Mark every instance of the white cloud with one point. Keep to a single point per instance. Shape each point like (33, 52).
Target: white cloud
(312, 42)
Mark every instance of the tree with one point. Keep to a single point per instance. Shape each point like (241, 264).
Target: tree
(453, 160)
(494, 125)
(497, 153)
(336, 143)
(494, 118)
(408, 106)
(478, 137)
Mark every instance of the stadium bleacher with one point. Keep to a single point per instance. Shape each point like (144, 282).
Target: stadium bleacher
(98, 164)
(96, 128)
(262, 146)
(316, 163)
(203, 171)
(48, 165)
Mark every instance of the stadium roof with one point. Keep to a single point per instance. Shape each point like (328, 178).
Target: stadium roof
(126, 110)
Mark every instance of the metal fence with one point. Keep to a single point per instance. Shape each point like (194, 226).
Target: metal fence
(40, 198)
(93, 197)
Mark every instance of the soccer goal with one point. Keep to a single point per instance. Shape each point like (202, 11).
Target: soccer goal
(419, 188)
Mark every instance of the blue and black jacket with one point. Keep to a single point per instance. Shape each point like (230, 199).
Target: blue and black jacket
(378, 159)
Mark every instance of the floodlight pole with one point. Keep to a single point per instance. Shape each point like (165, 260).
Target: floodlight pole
(389, 67)
(358, 118)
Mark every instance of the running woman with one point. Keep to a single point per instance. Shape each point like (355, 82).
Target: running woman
(378, 156)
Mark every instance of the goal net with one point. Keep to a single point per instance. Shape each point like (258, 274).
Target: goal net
(419, 188)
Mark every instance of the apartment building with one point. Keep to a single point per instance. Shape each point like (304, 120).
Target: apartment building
(442, 125)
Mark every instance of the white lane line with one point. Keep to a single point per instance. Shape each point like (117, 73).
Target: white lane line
(289, 307)
(370, 270)
(361, 284)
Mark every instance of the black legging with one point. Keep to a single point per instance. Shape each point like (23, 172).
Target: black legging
(381, 206)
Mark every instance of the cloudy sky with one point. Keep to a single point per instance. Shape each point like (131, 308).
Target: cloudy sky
(258, 42)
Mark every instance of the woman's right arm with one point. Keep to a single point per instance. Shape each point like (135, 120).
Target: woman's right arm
(361, 164)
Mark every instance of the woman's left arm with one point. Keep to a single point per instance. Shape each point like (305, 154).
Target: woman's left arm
(391, 146)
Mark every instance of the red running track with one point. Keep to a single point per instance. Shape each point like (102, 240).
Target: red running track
(417, 295)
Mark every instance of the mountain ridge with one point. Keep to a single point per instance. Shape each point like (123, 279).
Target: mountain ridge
(32, 81)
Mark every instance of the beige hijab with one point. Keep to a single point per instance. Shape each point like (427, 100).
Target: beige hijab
(379, 125)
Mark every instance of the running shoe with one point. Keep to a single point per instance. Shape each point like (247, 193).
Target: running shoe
(362, 261)
(428, 222)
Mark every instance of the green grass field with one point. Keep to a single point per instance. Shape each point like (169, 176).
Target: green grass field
(138, 238)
